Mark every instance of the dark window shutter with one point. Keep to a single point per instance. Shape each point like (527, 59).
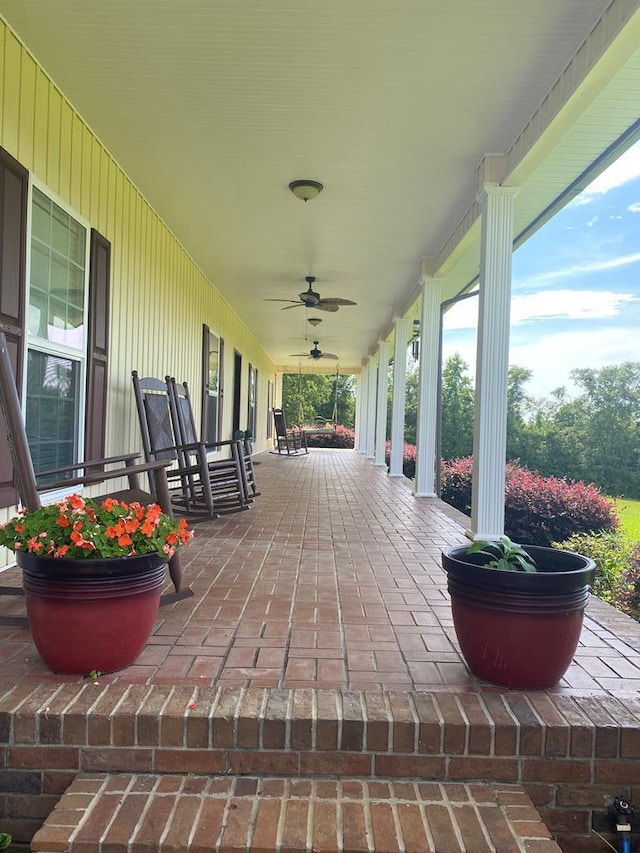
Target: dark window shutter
(97, 346)
(14, 180)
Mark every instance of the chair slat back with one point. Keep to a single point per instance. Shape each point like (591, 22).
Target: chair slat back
(183, 411)
(280, 423)
(154, 415)
(23, 471)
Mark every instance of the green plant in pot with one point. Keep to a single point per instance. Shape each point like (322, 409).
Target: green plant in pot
(517, 609)
(92, 575)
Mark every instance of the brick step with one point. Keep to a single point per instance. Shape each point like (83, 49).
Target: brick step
(140, 813)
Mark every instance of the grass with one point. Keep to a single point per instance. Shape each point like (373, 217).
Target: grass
(629, 512)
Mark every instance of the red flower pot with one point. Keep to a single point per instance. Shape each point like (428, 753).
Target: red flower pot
(519, 629)
(89, 615)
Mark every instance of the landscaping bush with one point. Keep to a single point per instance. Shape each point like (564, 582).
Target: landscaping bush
(538, 510)
(618, 568)
(408, 459)
(342, 438)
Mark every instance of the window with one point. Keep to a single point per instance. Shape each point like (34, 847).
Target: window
(56, 333)
(212, 361)
(252, 398)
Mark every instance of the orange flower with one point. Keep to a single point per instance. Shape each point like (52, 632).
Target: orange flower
(124, 540)
(76, 501)
(62, 521)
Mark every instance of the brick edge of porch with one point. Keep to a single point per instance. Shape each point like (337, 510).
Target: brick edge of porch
(570, 755)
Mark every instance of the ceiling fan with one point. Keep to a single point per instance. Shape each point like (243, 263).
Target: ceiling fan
(315, 353)
(311, 299)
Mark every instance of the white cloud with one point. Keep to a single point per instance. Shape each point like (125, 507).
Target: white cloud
(578, 269)
(559, 304)
(625, 169)
(552, 357)
(635, 207)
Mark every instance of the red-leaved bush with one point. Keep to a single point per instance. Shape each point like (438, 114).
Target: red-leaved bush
(408, 459)
(343, 437)
(538, 510)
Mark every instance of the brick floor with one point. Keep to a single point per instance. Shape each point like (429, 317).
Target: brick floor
(331, 580)
(132, 813)
(319, 646)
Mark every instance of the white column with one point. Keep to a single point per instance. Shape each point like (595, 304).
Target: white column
(492, 362)
(381, 409)
(402, 329)
(364, 407)
(428, 388)
(371, 407)
(277, 391)
(357, 441)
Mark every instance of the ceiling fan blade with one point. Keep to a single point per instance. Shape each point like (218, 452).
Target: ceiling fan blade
(327, 355)
(323, 306)
(281, 300)
(299, 355)
(295, 305)
(337, 300)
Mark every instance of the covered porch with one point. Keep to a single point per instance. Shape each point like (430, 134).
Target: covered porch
(318, 647)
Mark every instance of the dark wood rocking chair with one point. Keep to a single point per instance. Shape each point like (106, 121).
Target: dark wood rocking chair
(292, 440)
(227, 477)
(88, 473)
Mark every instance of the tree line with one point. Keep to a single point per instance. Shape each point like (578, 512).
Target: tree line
(593, 436)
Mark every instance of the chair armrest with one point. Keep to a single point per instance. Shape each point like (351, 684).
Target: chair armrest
(114, 474)
(89, 463)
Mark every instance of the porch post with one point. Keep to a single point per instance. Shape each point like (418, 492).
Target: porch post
(371, 407)
(381, 409)
(364, 406)
(357, 438)
(401, 335)
(428, 388)
(492, 362)
(277, 391)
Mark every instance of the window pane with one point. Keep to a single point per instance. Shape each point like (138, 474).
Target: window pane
(58, 273)
(51, 409)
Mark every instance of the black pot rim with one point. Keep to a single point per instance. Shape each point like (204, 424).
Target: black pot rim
(99, 569)
(560, 571)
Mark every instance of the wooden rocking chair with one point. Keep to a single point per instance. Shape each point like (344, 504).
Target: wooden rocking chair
(87, 473)
(227, 477)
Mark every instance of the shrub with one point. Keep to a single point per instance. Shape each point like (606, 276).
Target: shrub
(618, 568)
(408, 459)
(538, 510)
(343, 437)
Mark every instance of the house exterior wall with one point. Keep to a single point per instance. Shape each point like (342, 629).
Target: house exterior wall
(159, 296)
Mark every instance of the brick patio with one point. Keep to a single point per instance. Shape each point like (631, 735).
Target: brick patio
(319, 646)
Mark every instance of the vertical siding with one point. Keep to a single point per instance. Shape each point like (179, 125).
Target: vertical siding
(159, 297)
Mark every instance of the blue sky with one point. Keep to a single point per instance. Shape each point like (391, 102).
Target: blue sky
(576, 287)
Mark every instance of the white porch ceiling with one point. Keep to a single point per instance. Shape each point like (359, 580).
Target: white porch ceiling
(213, 106)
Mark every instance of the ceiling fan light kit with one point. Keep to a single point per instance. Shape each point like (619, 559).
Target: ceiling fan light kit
(315, 321)
(315, 353)
(306, 189)
(310, 299)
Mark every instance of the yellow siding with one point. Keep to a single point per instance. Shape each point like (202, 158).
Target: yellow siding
(159, 297)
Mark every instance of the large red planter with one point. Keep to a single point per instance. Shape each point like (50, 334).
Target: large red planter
(89, 615)
(519, 629)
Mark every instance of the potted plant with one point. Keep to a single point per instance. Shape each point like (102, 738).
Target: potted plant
(517, 610)
(92, 574)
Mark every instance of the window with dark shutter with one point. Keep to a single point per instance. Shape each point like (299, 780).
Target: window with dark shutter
(13, 236)
(97, 346)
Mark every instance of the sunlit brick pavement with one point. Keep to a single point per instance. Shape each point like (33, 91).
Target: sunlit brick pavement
(331, 579)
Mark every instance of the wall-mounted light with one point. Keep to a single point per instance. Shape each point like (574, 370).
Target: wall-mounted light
(306, 189)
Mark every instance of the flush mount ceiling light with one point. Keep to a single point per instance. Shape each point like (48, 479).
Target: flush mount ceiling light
(314, 320)
(305, 189)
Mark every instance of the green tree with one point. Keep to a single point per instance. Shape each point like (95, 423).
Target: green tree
(457, 409)
(312, 395)
(611, 401)
(519, 404)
